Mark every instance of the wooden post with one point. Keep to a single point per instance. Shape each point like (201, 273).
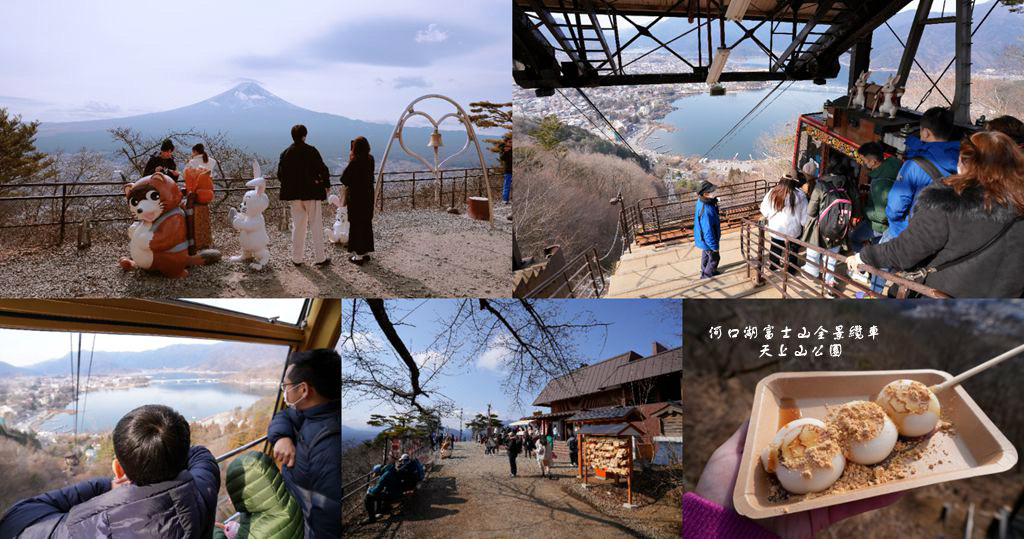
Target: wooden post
(629, 478)
(583, 465)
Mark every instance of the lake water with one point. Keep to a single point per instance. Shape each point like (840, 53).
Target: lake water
(193, 396)
(700, 120)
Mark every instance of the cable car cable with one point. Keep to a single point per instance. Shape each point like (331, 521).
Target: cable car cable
(88, 376)
(745, 116)
(592, 122)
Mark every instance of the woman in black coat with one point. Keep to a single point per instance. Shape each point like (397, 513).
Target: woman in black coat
(955, 218)
(358, 178)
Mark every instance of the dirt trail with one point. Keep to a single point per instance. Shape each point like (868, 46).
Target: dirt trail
(471, 495)
(420, 253)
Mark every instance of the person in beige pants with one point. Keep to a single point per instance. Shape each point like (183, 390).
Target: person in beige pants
(305, 181)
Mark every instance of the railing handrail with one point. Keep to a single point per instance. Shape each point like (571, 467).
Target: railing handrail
(903, 283)
(589, 263)
(237, 450)
(267, 177)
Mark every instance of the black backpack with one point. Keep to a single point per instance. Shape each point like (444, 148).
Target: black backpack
(835, 219)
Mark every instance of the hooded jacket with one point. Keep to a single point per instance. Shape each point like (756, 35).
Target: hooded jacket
(315, 479)
(707, 229)
(912, 178)
(268, 510)
(946, 226)
(882, 179)
(180, 508)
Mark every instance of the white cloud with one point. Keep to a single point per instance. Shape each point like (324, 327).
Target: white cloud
(495, 356)
(432, 34)
(428, 360)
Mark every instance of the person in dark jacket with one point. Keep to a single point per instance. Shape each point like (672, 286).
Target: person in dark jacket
(936, 144)
(812, 234)
(358, 178)
(506, 160)
(953, 220)
(163, 488)
(379, 496)
(306, 438)
(514, 448)
(305, 181)
(573, 450)
(707, 230)
(162, 162)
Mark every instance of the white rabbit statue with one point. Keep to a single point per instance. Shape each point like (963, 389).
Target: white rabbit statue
(339, 232)
(890, 96)
(250, 224)
(859, 97)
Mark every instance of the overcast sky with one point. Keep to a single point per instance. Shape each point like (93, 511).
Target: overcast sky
(67, 60)
(24, 347)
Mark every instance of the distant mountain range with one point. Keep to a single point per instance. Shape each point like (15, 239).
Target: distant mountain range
(215, 357)
(259, 121)
(351, 436)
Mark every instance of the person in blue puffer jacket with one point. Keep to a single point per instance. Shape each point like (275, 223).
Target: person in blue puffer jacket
(937, 145)
(707, 230)
(306, 438)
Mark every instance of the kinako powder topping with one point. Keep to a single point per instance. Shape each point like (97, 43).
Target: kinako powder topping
(857, 421)
(911, 398)
(813, 447)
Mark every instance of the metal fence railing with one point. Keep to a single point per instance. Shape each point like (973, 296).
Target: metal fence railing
(581, 277)
(781, 264)
(667, 217)
(55, 204)
(352, 491)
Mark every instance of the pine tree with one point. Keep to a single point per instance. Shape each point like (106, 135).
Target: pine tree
(485, 114)
(547, 133)
(19, 159)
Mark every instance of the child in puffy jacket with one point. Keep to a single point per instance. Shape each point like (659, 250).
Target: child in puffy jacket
(707, 230)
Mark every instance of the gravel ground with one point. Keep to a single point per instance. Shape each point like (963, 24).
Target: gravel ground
(471, 495)
(420, 253)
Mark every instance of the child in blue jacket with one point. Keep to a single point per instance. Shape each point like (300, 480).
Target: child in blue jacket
(707, 230)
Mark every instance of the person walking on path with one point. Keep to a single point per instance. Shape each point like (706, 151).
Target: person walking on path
(514, 447)
(305, 181)
(707, 230)
(358, 178)
(543, 458)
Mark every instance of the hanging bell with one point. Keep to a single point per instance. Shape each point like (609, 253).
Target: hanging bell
(435, 140)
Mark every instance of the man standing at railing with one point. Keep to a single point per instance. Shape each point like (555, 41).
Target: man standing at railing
(707, 230)
(306, 438)
(305, 181)
(162, 162)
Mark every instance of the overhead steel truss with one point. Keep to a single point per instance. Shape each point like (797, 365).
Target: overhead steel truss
(582, 43)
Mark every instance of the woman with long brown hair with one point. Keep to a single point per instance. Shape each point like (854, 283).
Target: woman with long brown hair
(358, 181)
(966, 234)
(785, 208)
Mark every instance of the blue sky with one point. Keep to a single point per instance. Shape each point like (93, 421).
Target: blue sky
(634, 325)
(67, 60)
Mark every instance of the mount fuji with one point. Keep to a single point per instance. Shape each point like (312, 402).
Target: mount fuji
(257, 120)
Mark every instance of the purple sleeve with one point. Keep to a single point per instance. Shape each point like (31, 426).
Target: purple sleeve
(703, 519)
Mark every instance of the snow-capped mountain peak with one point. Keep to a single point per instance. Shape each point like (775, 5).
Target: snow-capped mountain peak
(247, 95)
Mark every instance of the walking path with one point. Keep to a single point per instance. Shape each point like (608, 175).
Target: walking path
(472, 495)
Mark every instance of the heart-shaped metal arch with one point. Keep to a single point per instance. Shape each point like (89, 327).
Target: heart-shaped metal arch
(459, 115)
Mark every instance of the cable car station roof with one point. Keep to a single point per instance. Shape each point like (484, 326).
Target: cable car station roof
(586, 43)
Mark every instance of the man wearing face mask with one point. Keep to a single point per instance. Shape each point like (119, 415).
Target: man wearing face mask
(306, 437)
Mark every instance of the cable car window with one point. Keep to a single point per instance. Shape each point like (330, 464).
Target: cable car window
(288, 310)
(62, 394)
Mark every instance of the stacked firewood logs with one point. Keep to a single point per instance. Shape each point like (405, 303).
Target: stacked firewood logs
(611, 454)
